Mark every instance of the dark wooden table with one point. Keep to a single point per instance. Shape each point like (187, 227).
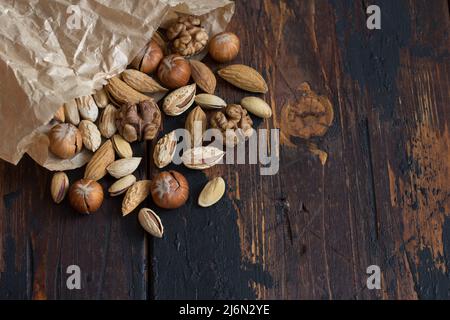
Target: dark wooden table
(382, 198)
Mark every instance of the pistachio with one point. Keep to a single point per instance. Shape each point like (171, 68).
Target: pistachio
(59, 187)
(121, 186)
(257, 106)
(122, 146)
(123, 167)
(151, 223)
(165, 150)
(179, 100)
(209, 101)
(212, 192)
(200, 158)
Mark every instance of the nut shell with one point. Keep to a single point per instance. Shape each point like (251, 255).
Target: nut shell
(86, 196)
(65, 140)
(151, 223)
(174, 71)
(170, 190)
(224, 47)
(59, 187)
(152, 57)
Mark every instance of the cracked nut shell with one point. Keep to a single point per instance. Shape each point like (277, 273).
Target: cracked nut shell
(170, 190)
(174, 71)
(65, 140)
(86, 196)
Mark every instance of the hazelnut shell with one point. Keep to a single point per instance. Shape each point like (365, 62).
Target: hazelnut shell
(86, 196)
(174, 71)
(170, 190)
(224, 47)
(65, 140)
(152, 58)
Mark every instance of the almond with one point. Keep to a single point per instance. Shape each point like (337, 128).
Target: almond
(71, 112)
(123, 93)
(244, 77)
(107, 123)
(142, 82)
(101, 98)
(196, 125)
(87, 108)
(135, 195)
(92, 139)
(59, 115)
(203, 76)
(103, 157)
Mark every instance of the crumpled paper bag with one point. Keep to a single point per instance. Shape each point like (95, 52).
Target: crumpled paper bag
(56, 50)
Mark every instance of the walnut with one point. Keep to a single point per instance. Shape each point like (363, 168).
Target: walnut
(235, 124)
(188, 36)
(139, 121)
(310, 116)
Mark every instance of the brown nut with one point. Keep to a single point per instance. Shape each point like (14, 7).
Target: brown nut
(139, 121)
(86, 196)
(65, 140)
(235, 124)
(152, 57)
(174, 71)
(224, 47)
(170, 190)
(188, 36)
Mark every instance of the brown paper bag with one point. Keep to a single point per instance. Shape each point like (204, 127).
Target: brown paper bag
(54, 51)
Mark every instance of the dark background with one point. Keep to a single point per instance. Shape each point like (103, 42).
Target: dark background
(383, 196)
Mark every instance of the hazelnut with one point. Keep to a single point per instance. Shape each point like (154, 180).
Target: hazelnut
(224, 47)
(152, 57)
(170, 190)
(174, 71)
(86, 196)
(65, 140)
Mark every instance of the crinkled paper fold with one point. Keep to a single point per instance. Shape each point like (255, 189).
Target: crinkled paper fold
(52, 51)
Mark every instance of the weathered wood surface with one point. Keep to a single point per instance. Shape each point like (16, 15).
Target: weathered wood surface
(383, 196)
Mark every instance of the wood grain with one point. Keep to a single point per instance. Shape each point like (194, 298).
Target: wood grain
(309, 232)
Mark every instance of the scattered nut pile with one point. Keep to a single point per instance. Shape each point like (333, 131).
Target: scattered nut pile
(125, 111)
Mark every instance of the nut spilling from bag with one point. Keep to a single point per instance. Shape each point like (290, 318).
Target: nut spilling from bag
(126, 111)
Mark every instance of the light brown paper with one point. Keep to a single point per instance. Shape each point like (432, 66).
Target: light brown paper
(44, 62)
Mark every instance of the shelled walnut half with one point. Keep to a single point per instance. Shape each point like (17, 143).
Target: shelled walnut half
(188, 36)
(235, 124)
(139, 121)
